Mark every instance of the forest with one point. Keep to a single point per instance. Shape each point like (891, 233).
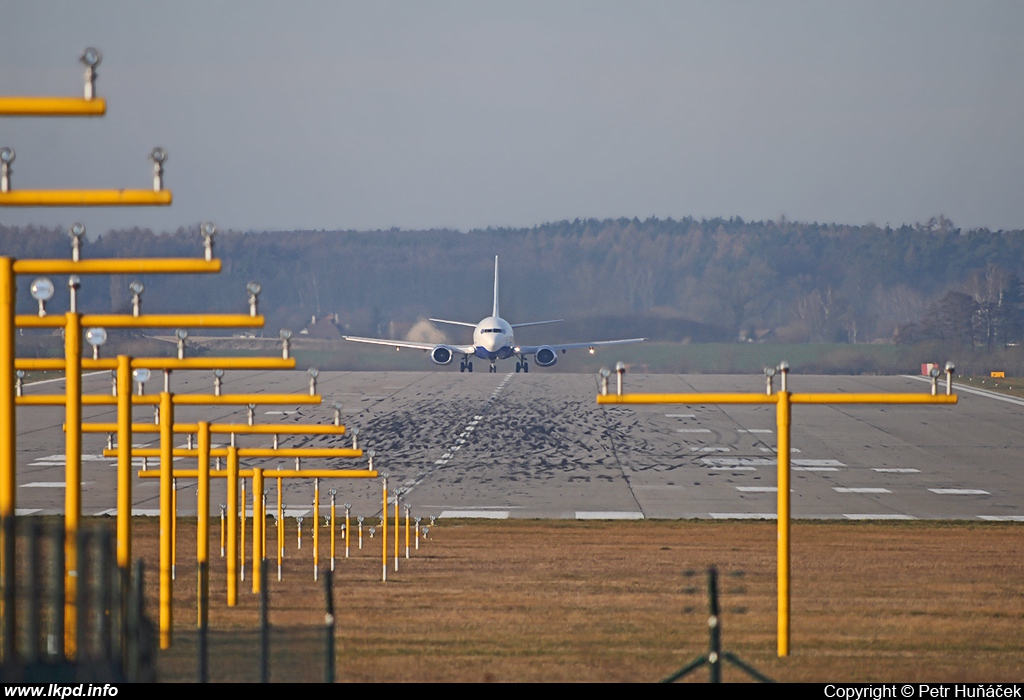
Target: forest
(685, 280)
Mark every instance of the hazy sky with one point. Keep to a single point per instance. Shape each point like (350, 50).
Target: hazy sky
(364, 115)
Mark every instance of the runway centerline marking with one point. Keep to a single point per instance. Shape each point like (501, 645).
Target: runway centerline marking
(859, 489)
(960, 492)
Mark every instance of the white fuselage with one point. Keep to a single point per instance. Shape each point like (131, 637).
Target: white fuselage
(493, 338)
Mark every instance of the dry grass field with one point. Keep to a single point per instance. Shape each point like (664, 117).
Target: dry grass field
(522, 600)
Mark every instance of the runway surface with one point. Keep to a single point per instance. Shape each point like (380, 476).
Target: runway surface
(538, 446)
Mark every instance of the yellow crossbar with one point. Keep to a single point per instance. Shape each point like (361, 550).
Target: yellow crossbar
(30, 106)
(85, 198)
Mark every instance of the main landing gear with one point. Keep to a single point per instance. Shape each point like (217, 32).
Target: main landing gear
(523, 366)
(465, 366)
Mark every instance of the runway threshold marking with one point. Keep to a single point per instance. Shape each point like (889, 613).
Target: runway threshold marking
(484, 514)
(608, 515)
(960, 492)
(859, 489)
(48, 484)
(878, 516)
(743, 516)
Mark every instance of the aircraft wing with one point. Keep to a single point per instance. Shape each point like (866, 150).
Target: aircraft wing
(531, 349)
(464, 349)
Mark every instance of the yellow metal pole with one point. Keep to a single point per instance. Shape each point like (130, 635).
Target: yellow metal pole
(384, 532)
(280, 528)
(257, 530)
(783, 415)
(85, 198)
(31, 106)
(203, 524)
(166, 518)
(232, 526)
(174, 529)
(333, 514)
(241, 538)
(8, 451)
(72, 473)
(316, 529)
(124, 462)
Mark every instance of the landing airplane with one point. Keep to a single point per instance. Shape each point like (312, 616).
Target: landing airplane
(492, 340)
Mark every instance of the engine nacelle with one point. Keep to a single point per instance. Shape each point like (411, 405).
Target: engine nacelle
(546, 356)
(442, 355)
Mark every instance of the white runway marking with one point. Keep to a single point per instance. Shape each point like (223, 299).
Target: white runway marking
(736, 461)
(148, 512)
(895, 470)
(710, 449)
(843, 489)
(817, 463)
(488, 514)
(877, 516)
(680, 415)
(752, 430)
(775, 449)
(814, 469)
(27, 511)
(44, 485)
(758, 489)
(732, 468)
(279, 413)
(1004, 518)
(608, 515)
(692, 430)
(971, 390)
(743, 516)
(960, 492)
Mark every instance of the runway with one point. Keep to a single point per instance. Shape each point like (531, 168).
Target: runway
(538, 446)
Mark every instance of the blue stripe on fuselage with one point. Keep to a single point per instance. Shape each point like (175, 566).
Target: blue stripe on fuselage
(500, 354)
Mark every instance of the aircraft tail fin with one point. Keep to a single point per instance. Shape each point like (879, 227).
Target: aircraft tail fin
(495, 311)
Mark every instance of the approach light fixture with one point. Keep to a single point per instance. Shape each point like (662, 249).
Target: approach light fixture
(253, 288)
(159, 156)
(136, 288)
(208, 230)
(96, 337)
(42, 291)
(77, 232)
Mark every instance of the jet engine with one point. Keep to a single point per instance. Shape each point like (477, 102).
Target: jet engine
(546, 356)
(441, 355)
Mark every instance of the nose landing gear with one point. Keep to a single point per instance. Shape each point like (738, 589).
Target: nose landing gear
(493, 368)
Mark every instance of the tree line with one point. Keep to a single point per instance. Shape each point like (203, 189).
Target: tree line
(670, 279)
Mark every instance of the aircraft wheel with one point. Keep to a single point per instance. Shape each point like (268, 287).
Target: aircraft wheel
(519, 367)
(462, 366)
(526, 366)
(469, 366)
